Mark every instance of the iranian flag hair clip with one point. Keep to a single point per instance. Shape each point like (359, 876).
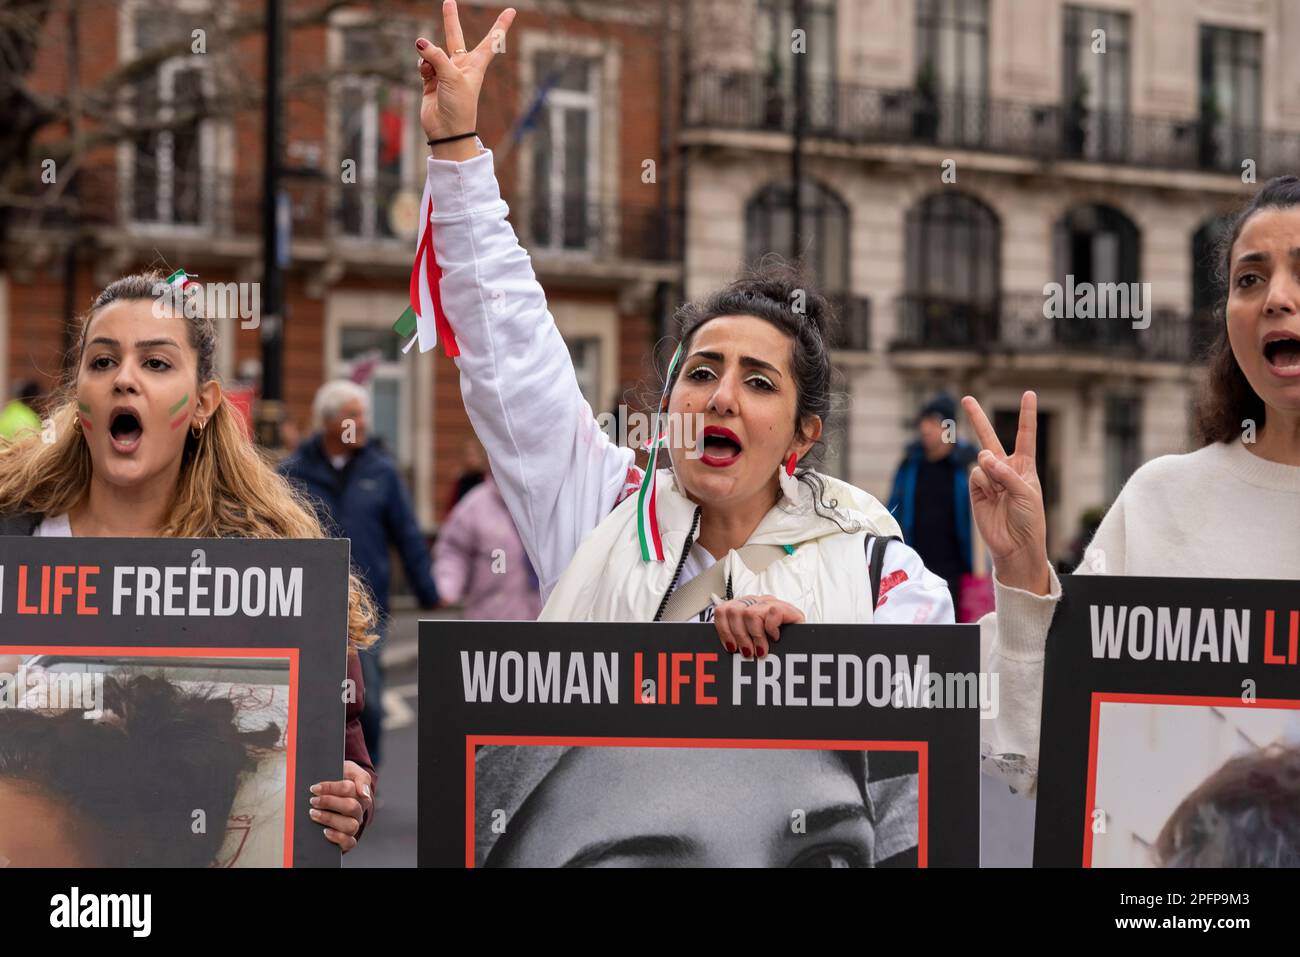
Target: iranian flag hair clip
(170, 293)
(180, 279)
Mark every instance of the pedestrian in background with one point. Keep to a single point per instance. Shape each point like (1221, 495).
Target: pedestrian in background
(358, 495)
(20, 415)
(480, 563)
(473, 469)
(931, 495)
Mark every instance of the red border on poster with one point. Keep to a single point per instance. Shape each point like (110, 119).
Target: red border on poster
(291, 734)
(920, 747)
(1101, 697)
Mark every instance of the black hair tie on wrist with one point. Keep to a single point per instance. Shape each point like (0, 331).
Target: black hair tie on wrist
(452, 139)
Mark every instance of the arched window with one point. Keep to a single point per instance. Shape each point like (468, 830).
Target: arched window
(953, 272)
(1099, 245)
(769, 227)
(824, 244)
(824, 240)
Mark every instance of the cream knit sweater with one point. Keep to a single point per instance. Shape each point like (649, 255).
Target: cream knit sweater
(1218, 512)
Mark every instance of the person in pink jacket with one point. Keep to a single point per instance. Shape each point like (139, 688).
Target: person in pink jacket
(479, 561)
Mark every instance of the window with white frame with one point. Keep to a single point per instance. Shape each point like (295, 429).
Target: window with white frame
(376, 122)
(171, 169)
(564, 119)
(372, 354)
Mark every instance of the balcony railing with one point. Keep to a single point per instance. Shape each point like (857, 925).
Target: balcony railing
(1015, 324)
(225, 207)
(582, 228)
(857, 113)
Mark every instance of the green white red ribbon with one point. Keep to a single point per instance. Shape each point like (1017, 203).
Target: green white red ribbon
(647, 521)
(424, 321)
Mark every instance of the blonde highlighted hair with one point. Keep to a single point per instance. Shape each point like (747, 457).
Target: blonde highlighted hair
(226, 488)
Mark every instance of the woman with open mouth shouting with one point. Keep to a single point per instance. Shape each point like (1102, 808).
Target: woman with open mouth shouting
(144, 446)
(1229, 509)
(737, 529)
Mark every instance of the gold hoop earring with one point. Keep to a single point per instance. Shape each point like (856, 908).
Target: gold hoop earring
(196, 425)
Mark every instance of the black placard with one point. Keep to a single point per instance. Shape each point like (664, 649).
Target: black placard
(125, 607)
(1152, 687)
(587, 751)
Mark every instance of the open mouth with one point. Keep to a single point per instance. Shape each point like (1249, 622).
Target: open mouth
(1282, 352)
(125, 431)
(720, 447)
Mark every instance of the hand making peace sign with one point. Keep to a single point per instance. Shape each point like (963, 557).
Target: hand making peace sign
(1008, 501)
(453, 78)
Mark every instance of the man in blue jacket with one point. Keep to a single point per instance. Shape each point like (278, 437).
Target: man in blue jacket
(930, 498)
(358, 495)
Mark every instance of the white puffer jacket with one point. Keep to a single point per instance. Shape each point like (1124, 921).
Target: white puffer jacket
(825, 577)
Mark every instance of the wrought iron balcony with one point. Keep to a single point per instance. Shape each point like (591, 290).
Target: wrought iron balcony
(857, 113)
(1015, 324)
(207, 205)
(578, 227)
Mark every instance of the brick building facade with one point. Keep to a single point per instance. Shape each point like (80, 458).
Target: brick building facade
(573, 110)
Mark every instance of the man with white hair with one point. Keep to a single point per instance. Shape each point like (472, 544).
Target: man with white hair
(358, 495)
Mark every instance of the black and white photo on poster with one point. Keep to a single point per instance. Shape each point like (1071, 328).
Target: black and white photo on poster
(1171, 725)
(623, 745)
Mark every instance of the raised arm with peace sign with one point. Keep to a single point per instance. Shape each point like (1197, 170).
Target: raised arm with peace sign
(453, 79)
(1008, 500)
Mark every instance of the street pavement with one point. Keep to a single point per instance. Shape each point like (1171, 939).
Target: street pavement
(389, 841)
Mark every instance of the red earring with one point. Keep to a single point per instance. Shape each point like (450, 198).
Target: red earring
(791, 463)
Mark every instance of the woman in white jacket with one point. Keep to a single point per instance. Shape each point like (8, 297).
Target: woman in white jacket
(606, 548)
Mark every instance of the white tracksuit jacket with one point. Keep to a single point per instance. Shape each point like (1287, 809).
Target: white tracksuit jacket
(563, 480)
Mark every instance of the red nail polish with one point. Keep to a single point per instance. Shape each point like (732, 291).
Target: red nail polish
(731, 648)
(421, 44)
(745, 652)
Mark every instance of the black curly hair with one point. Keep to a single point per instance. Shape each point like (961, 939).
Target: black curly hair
(133, 785)
(784, 294)
(778, 292)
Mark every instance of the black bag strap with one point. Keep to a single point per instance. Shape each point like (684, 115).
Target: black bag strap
(877, 564)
